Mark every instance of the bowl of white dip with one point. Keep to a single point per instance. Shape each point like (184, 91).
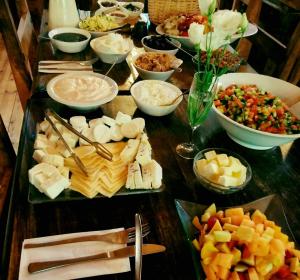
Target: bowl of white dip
(155, 97)
(84, 91)
(112, 48)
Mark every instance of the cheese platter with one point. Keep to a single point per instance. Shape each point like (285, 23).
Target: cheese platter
(35, 115)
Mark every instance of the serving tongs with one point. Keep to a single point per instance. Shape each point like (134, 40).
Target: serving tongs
(100, 149)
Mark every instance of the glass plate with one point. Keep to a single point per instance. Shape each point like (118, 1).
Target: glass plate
(270, 205)
(34, 114)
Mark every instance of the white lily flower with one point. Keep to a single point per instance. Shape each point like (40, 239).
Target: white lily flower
(207, 6)
(228, 21)
(196, 33)
(208, 41)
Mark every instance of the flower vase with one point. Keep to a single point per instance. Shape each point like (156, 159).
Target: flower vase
(200, 101)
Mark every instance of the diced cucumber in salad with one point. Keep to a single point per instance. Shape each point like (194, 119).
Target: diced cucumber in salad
(255, 108)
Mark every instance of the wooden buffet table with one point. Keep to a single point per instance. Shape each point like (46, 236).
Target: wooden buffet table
(275, 171)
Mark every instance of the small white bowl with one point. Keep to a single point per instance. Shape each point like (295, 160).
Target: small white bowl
(105, 8)
(69, 47)
(153, 75)
(152, 109)
(71, 90)
(107, 57)
(130, 13)
(149, 49)
(249, 137)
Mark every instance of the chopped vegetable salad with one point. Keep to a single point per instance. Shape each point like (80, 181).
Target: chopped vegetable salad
(257, 109)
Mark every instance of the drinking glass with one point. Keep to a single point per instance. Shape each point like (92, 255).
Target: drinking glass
(200, 100)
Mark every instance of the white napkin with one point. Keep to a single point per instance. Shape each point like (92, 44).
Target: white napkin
(80, 249)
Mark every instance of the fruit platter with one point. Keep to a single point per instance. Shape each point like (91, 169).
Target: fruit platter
(252, 240)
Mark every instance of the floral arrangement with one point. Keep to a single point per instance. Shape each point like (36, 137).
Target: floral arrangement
(215, 34)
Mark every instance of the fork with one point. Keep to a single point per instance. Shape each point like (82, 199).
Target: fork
(119, 237)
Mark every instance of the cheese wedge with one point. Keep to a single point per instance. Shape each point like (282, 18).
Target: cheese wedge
(144, 152)
(156, 174)
(130, 184)
(129, 152)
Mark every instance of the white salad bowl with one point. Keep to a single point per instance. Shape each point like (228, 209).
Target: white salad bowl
(146, 102)
(249, 137)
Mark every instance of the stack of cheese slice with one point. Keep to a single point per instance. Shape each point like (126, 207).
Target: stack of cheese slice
(104, 176)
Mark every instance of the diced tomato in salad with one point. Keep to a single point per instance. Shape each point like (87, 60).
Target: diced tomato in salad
(260, 110)
(187, 20)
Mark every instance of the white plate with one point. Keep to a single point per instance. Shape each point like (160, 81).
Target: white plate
(185, 41)
(85, 105)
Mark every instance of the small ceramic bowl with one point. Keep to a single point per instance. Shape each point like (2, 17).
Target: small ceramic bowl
(132, 9)
(154, 75)
(108, 56)
(145, 102)
(107, 5)
(159, 44)
(70, 46)
(212, 186)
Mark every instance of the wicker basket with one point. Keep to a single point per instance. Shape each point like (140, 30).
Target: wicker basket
(159, 10)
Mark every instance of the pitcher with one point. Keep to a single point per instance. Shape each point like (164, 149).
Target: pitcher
(62, 13)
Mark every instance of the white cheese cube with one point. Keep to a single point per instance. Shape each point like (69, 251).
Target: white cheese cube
(115, 133)
(44, 125)
(108, 121)
(226, 170)
(210, 169)
(54, 185)
(235, 164)
(78, 122)
(200, 165)
(222, 160)
(43, 168)
(241, 175)
(101, 133)
(87, 132)
(64, 171)
(53, 137)
(94, 122)
(41, 141)
(122, 118)
(55, 160)
(210, 155)
(228, 181)
(38, 155)
(70, 139)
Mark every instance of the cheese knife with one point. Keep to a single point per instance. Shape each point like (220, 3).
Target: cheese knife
(125, 252)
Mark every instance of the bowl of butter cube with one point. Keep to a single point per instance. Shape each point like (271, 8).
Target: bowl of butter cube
(221, 170)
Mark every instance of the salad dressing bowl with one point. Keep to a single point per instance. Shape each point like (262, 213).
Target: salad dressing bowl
(249, 137)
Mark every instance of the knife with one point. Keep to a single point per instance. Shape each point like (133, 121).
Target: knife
(125, 252)
(138, 247)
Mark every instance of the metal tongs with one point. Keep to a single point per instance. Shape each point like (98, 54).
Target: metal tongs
(100, 149)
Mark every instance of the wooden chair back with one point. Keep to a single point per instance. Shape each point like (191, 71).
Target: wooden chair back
(253, 13)
(7, 163)
(20, 41)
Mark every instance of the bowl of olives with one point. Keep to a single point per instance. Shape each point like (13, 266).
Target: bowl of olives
(161, 43)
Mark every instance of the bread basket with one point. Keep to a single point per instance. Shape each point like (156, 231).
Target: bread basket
(159, 10)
